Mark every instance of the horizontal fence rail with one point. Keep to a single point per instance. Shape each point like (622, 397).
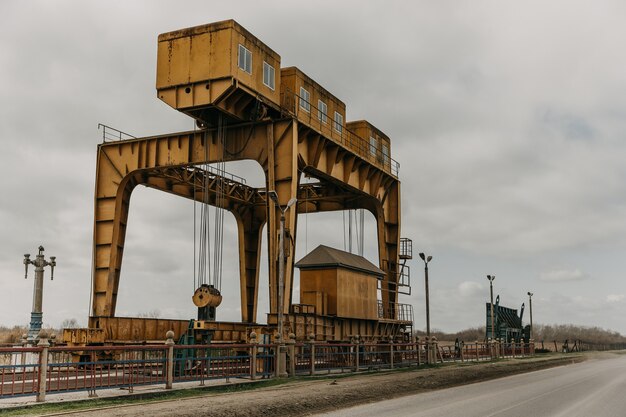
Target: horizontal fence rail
(35, 371)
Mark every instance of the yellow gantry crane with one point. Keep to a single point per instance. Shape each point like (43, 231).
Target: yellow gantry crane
(249, 108)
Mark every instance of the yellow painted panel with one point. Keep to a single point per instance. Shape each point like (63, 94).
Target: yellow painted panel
(105, 209)
(200, 57)
(101, 281)
(356, 295)
(104, 233)
(222, 57)
(190, 59)
(103, 254)
(179, 62)
(292, 79)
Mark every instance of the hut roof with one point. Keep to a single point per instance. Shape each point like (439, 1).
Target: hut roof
(324, 256)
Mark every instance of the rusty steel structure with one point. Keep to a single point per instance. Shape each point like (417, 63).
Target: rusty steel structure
(248, 108)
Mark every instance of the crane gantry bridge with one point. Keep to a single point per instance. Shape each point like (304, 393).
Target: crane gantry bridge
(248, 108)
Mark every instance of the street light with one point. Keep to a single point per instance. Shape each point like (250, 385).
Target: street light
(530, 305)
(426, 261)
(491, 278)
(281, 258)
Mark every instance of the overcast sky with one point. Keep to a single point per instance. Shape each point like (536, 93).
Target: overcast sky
(508, 120)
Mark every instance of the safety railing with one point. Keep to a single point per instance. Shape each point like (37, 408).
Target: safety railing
(19, 371)
(395, 311)
(361, 146)
(204, 362)
(402, 273)
(110, 134)
(335, 357)
(43, 370)
(96, 367)
(406, 248)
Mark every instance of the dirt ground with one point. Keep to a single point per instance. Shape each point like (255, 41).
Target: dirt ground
(303, 397)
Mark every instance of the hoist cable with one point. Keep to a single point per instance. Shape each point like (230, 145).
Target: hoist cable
(343, 214)
(350, 231)
(362, 228)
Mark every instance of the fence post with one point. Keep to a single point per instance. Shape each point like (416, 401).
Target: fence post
(418, 349)
(292, 354)
(43, 366)
(281, 360)
(462, 351)
(513, 347)
(391, 353)
(477, 352)
(253, 352)
(358, 353)
(23, 354)
(312, 350)
(432, 356)
(169, 363)
(436, 350)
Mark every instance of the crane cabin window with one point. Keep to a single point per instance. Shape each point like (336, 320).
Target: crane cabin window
(245, 59)
(385, 154)
(338, 122)
(268, 75)
(322, 111)
(304, 100)
(373, 145)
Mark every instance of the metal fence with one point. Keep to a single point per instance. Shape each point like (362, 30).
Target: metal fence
(36, 371)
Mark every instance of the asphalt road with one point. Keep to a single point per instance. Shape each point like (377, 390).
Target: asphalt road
(596, 388)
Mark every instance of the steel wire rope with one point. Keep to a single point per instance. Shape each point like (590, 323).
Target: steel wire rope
(356, 231)
(343, 214)
(193, 179)
(204, 264)
(245, 145)
(350, 231)
(220, 199)
(195, 217)
(362, 227)
(306, 222)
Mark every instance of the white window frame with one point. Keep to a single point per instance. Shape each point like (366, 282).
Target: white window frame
(271, 72)
(373, 146)
(305, 96)
(322, 111)
(247, 59)
(338, 122)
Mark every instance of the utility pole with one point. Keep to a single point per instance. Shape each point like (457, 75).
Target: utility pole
(426, 260)
(281, 278)
(530, 306)
(36, 316)
(492, 314)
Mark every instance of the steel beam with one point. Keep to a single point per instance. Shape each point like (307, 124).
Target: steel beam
(285, 150)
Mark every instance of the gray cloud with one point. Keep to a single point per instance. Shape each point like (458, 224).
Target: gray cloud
(508, 120)
(563, 275)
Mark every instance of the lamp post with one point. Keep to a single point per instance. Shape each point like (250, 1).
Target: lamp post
(36, 316)
(426, 260)
(492, 313)
(281, 258)
(530, 306)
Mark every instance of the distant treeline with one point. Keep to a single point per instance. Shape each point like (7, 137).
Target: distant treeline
(14, 334)
(541, 332)
(11, 334)
(548, 333)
